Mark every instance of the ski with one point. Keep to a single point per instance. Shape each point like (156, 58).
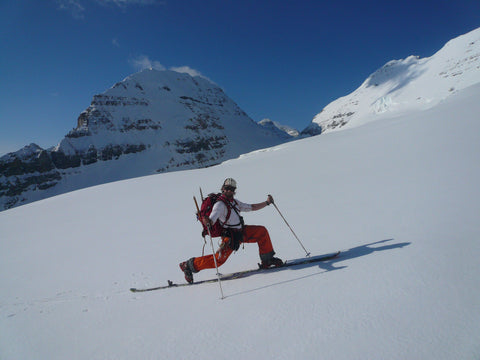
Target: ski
(244, 273)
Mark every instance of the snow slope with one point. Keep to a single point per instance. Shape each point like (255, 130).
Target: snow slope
(401, 86)
(401, 204)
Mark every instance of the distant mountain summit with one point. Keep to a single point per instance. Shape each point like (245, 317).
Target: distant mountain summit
(152, 121)
(406, 85)
(283, 130)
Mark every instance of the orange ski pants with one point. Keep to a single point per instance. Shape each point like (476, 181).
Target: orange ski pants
(251, 234)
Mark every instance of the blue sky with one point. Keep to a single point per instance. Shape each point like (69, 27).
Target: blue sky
(283, 60)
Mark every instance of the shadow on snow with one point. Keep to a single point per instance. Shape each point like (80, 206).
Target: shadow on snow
(329, 265)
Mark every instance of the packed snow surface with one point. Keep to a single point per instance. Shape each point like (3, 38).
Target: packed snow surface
(399, 197)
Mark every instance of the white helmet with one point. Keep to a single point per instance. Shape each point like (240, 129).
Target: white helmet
(230, 182)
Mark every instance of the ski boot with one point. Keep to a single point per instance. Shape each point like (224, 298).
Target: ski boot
(271, 263)
(186, 267)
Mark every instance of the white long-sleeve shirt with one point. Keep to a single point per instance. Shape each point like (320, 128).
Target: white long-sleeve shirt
(220, 212)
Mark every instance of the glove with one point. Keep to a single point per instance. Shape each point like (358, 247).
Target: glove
(269, 200)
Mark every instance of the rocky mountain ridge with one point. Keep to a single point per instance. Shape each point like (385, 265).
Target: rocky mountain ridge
(151, 122)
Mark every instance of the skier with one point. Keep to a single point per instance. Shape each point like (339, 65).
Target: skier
(234, 233)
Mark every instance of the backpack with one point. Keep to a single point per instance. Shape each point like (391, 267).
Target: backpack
(206, 209)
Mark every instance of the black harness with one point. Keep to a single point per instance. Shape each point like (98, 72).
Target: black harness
(235, 235)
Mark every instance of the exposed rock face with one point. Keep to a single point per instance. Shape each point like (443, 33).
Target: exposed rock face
(29, 168)
(153, 121)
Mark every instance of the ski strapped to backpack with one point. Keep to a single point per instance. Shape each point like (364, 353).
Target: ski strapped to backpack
(206, 208)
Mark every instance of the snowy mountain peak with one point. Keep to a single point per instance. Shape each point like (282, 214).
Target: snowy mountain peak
(402, 86)
(24, 153)
(150, 101)
(152, 121)
(394, 72)
(282, 130)
(162, 83)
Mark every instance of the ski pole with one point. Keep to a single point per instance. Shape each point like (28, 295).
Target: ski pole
(213, 252)
(308, 254)
(215, 261)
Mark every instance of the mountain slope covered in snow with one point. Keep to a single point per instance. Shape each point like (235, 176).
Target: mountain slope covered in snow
(402, 206)
(406, 85)
(153, 121)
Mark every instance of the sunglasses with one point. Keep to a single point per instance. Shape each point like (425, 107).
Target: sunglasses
(230, 188)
